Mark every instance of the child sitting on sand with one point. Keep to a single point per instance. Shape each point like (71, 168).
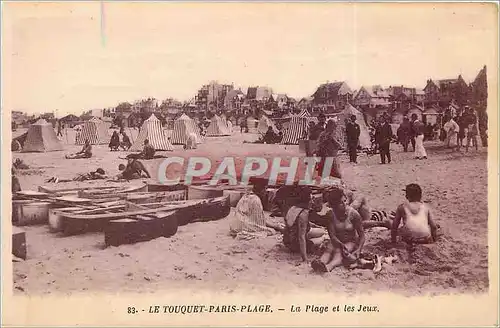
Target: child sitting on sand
(418, 224)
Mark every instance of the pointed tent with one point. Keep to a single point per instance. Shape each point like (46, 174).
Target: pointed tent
(152, 130)
(364, 135)
(295, 130)
(264, 124)
(217, 127)
(41, 137)
(96, 131)
(183, 127)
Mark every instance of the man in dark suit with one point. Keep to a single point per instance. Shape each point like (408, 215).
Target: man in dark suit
(352, 131)
(383, 136)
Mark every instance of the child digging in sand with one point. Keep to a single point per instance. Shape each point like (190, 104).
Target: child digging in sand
(418, 224)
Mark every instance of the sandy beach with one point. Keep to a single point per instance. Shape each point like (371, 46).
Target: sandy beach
(206, 256)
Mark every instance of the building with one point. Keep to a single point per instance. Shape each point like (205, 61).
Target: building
(212, 95)
(306, 103)
(372, 97)
(442, 92)
(258, 93)
(332, 97)
(234, 100)
(280, 100)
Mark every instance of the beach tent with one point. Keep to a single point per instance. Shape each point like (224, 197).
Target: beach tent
(264, 124)
(297, 128)
(96, 131)
(41, 137)
(152, 130)
(217, 127)
(364, 135)
(183, 127)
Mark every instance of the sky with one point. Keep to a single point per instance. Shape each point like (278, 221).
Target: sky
(70, 57)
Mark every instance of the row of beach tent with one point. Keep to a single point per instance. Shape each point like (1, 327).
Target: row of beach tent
(41, 136)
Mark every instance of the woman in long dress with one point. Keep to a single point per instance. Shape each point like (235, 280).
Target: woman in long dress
(419, 127)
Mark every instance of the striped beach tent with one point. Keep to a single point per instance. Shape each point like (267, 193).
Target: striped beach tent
(152, 130)
(183, 127)
(96, 131)
(41, 137)
(295, 130)
(217, 127)
(264, 124)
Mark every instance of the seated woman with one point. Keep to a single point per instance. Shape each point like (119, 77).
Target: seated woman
(86, 152)
(249, 217)
(346, 233)
(114, 143)
(298, 235)
(125, 144)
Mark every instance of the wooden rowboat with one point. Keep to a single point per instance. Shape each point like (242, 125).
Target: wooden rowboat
(19, 243)
(209, 191)
(140, 228)
(95, 189)
(185, 212)
(29, 212)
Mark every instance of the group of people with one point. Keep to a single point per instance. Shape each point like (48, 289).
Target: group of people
(271, 137)
(119, 140)
(337, 226)
(459, 128)
(134, 169)
(324, 133)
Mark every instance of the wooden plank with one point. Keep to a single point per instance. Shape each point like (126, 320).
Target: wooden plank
(99, 210)
(54, 191)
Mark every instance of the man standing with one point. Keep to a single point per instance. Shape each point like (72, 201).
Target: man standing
(472, 130)
(318, 128)
(413, 133)
(352, 131)
(404, 133)
(383, 136)
(59, 128)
